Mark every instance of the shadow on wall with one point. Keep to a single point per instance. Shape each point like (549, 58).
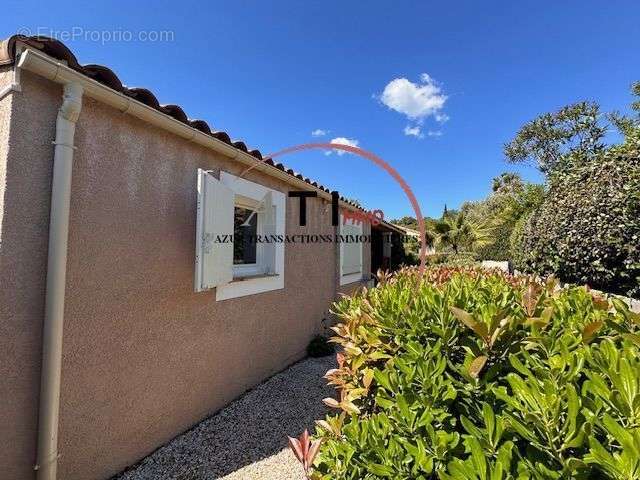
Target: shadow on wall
(250, 429)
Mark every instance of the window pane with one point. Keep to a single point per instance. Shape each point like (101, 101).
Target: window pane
(244, 236)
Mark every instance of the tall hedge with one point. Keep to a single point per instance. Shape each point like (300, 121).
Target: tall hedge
(588, 228)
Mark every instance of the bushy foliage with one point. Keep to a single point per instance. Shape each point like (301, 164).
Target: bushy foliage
(451, 259)
(588, 228)
(510, 200)
(470, 375)
(408, 252)
(516, 238)
(456, 232)
(549, 139)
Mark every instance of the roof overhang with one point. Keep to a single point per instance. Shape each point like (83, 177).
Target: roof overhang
(51, 59)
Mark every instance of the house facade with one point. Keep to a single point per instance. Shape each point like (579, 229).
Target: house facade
(165, 320)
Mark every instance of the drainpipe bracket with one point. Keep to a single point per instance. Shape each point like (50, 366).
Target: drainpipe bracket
(64, 145)
(55, 458)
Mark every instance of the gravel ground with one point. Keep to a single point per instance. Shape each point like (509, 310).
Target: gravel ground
(247, 439)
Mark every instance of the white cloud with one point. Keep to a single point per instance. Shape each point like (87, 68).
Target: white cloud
(352, 142)
(441, 117)
(413, 131)
(434, 133)
(426, 78)
(318, 132)
(415, 100)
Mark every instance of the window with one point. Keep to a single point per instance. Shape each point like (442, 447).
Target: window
(251, 226)
(350, 251)
(238, 223)
(245, 245)
(245, 232)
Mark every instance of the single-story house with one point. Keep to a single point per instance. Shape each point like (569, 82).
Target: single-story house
(133, 300)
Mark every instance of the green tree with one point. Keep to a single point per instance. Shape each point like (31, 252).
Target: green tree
(455, 231)
(510, 200)
(587, 228)
(406, 221)
(507, 182)
(551, 139)
(629, 125)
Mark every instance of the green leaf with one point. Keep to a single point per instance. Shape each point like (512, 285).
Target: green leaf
(478, 458)
(489, 418)
(380, 470)
(467, 319)
(624, 437)
(632, 337)
(382, 377)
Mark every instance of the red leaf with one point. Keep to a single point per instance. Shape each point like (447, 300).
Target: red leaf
(294, 444)
(305, 442)
(330, 373)
(530, 298)
(313, 451)
(590, 331)
(340, 359)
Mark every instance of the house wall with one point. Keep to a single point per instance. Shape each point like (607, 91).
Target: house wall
(25, 161)
(144, 356)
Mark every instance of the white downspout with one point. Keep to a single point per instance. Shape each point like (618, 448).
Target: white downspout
(56, 277)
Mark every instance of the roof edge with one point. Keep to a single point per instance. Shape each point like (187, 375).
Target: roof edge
(52, 56)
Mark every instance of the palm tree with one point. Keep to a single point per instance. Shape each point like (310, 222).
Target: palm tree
(456, 231)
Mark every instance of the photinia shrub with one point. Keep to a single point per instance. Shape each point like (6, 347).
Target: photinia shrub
(475, 375)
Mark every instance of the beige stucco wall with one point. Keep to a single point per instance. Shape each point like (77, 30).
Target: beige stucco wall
(144, 357)
(5, 115)
(25, 212)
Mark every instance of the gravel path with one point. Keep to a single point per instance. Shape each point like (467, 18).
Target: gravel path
(247, 439)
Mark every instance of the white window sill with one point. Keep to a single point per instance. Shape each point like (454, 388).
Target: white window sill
(249, 285)
(248, 276)
(351, 278)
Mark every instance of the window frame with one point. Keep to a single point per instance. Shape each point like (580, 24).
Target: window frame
(248, 280)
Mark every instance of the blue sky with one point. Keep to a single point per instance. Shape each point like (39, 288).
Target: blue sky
(271, 73)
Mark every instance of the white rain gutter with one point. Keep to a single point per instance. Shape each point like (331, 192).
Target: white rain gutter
(8, 89)
(14, 86)
(52, 333)
(58, 72)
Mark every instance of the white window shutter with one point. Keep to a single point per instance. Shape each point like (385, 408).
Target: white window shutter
(214, 231)
(351, 251)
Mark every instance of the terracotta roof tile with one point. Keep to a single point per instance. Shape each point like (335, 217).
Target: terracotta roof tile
(106, 76)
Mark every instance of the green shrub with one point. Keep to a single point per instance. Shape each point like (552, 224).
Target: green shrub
(502, 210)
(498, 250)
(588, 228)
(451, 259)
(476, 375)
(517, 253)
